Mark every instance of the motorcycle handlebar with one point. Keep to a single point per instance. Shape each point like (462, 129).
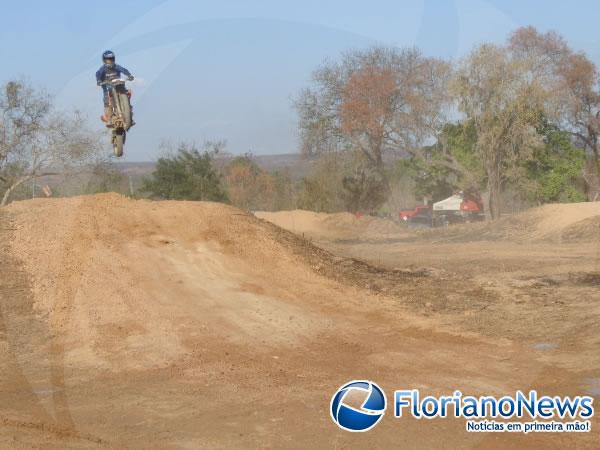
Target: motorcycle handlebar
(106, 83)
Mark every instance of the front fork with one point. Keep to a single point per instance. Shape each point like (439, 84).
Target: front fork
(116, 108)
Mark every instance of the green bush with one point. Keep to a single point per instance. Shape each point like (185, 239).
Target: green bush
(187, 175)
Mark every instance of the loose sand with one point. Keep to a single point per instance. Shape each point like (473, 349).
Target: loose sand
(196, 325)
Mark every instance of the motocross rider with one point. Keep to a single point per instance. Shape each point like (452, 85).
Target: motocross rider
(108, 72)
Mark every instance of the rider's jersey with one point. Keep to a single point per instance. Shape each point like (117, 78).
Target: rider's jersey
(108, 73)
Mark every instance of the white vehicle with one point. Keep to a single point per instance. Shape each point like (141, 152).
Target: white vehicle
(459, 208)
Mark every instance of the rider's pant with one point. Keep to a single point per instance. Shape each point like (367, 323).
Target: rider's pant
(105, 96)
(107, 110)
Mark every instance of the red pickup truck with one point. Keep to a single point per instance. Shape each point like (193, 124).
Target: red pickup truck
(406, 213)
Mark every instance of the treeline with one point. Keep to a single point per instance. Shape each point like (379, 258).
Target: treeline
(518, 121)
(187, 172)
(191, 173)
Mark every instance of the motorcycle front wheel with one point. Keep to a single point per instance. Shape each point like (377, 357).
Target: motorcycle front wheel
(125, 109)
(118, 142)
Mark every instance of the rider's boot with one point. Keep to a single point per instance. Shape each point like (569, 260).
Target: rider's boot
(106, 116)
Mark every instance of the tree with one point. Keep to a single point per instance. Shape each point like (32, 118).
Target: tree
(105, 176)
(372, 102)
(249, 186)
(36, 140)
(364, 188)
(285, 190)
(575, 86)
(322, 190)
(451, 164)
(367, 108)
(582, 113)
(188, 174)
(504, 105)
(554, 174)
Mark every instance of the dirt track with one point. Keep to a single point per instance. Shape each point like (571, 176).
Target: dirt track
(195, 325)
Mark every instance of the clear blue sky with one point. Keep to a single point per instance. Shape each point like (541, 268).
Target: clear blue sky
(228, 69)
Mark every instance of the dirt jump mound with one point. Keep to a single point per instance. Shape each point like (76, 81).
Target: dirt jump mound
(342, 226)
(135, 283)
(560, 222)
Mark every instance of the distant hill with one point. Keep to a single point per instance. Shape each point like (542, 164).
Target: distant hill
(296, 165)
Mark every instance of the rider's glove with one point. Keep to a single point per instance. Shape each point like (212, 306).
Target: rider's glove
(130, 78)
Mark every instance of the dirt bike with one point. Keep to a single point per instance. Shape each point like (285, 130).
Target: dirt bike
(121, 119)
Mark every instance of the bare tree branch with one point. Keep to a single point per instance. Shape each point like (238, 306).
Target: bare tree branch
(37, 140)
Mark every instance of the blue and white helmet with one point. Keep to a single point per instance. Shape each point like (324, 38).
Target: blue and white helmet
(108, 55)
